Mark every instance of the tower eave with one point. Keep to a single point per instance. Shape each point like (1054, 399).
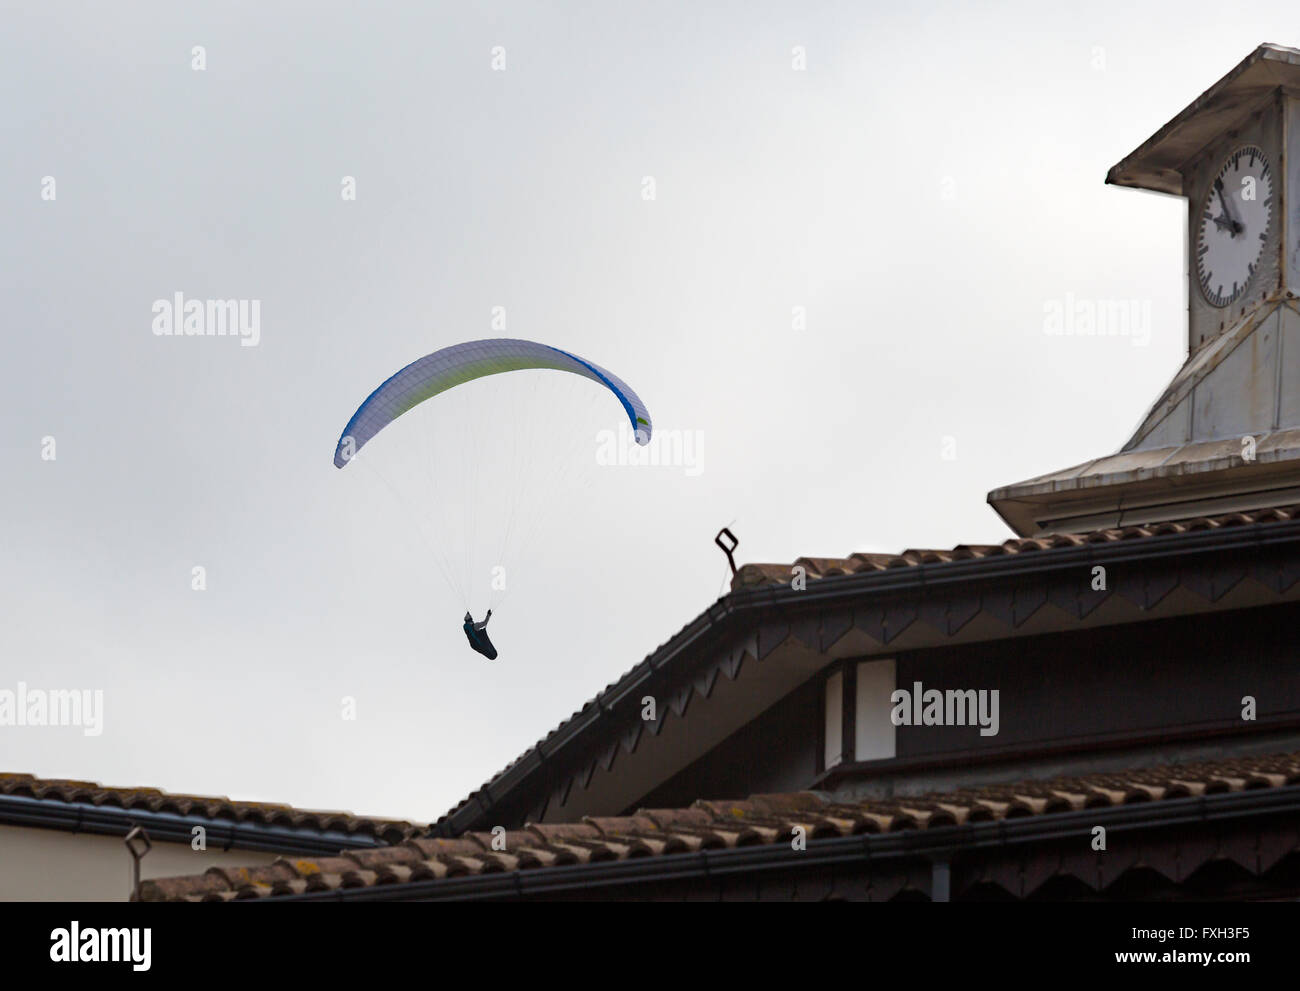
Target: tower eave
(1157, 164)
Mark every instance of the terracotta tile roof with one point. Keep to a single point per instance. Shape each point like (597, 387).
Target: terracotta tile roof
(216, 808)
(761, 820)
(754, 575)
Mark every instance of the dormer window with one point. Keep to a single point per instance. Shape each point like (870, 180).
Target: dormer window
(856, 701)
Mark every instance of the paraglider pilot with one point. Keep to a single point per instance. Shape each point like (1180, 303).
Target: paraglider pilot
(478, 638)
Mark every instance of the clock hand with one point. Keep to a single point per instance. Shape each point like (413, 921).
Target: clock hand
(1237, 227)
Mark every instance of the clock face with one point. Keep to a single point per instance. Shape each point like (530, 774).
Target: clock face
(1234, 224)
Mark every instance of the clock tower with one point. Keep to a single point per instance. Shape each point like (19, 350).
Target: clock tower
(1224, 436)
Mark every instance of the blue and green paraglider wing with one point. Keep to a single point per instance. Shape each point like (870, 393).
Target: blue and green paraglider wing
(436, 373)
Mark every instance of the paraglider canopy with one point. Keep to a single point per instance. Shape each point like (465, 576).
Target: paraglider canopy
(435, 373)
(483, 470)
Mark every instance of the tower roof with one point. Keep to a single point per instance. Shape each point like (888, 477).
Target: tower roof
(1158, 162)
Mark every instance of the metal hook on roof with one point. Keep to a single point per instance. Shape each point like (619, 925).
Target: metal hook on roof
(729, 551)
(138, 845)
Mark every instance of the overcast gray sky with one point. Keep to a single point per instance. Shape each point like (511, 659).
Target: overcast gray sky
(925, 189)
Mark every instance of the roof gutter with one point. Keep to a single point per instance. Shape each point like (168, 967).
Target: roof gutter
(223, 834)
(735, 609)
(939, 844)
